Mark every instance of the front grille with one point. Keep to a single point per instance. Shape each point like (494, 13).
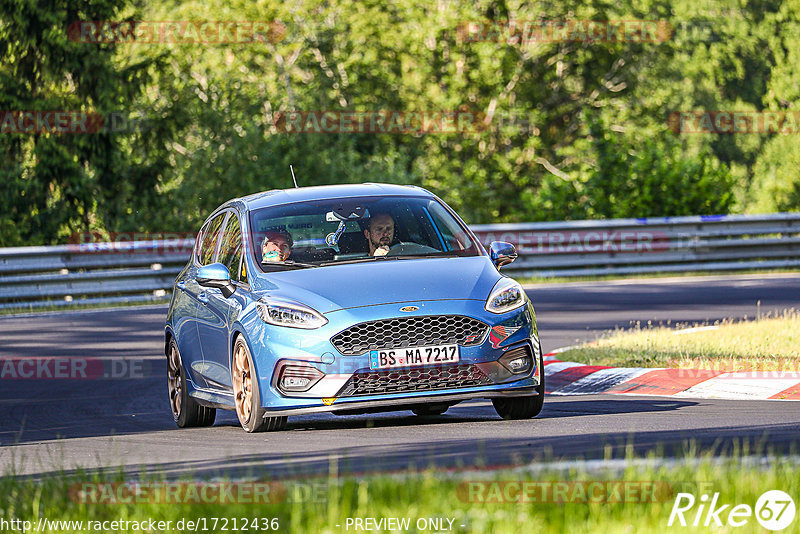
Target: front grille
(367, 382)
(402, 332)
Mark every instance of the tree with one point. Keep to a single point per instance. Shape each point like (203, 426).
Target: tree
(776, 186)
(53, 184)
(653, 177)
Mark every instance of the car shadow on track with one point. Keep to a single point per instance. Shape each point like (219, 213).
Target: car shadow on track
(483, 411)
(24, 422)
(605, 406)
(478, 454)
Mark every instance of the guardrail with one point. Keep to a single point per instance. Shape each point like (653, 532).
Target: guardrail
(33, 277)
(637, 246)
(90, 273)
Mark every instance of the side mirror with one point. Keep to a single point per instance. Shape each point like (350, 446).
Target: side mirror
(502, 253)
(216, 275)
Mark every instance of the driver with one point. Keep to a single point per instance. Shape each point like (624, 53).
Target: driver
(277, 246)
(379, 234)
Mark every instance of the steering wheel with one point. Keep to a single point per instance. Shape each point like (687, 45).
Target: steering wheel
(409, 248)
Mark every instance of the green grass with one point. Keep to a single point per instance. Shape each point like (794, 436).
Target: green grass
(437, 495)
(770, 343)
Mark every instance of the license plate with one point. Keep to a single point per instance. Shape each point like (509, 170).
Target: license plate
(413, 356)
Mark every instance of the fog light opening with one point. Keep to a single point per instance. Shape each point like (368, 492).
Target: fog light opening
(296, 378)
(520, 365)
(518, 360)
(298, 383)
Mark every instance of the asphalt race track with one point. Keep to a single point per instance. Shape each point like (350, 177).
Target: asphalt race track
(49, 426)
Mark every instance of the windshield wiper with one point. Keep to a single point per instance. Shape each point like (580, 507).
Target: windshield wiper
(288, 264)
(430, 255)
(354, 260)
(398, 257)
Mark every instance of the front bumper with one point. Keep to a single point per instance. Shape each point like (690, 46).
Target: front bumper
(389, 404)
(276, 347)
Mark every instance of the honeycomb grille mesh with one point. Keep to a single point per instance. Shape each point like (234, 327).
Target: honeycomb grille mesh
(402, 332)
(367, 382)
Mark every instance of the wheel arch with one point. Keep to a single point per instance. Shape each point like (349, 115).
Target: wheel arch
(236, 331)
(169, 335)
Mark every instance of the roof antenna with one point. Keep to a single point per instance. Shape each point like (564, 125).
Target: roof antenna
(293, 178)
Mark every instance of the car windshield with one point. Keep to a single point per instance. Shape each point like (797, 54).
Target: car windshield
(354, 230)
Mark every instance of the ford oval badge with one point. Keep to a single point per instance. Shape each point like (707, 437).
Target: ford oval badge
(409, 308)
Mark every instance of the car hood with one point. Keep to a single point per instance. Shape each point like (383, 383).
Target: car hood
(336, 287)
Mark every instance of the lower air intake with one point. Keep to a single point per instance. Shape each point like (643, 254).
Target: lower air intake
(367, 382)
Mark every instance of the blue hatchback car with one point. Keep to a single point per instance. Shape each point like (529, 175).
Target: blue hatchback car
(347, 299)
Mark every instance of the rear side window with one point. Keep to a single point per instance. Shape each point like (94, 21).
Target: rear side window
(209, 240)
(230, 250)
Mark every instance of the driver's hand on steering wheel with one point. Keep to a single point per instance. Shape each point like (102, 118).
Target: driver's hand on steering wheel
(381, 251)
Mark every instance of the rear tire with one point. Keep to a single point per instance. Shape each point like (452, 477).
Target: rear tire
(430, 409)
(523, 407)
(185, 410)
(247, 396)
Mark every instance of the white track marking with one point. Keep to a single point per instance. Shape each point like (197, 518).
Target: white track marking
(722, 387)
(559, 366)
(600, 381)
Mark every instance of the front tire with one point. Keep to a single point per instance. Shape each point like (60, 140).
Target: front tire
(246, 395)
(185, 410)
(523, 407)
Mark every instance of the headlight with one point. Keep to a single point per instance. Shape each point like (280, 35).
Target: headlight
(506, 295)
(291, 314)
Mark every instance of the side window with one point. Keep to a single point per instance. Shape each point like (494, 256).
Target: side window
(230, 250)
(451, 234)
(406, 226)
(210, 239)
(198, 246)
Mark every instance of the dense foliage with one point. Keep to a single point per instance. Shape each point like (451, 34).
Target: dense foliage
(569, 129)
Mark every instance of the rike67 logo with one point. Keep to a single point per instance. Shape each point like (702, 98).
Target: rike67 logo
(774, 510)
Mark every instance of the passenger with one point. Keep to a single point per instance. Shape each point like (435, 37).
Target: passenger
(277, 246)
(379, 233)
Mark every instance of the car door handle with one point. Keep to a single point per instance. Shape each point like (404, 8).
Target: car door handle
(203, 297)
(181, 285)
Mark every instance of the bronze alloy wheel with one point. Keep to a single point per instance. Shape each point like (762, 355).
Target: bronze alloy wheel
(174, 380)
(185, 410)
(242, 383)
(246, 396)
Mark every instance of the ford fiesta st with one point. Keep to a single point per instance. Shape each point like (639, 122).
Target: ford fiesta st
(346, 299)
